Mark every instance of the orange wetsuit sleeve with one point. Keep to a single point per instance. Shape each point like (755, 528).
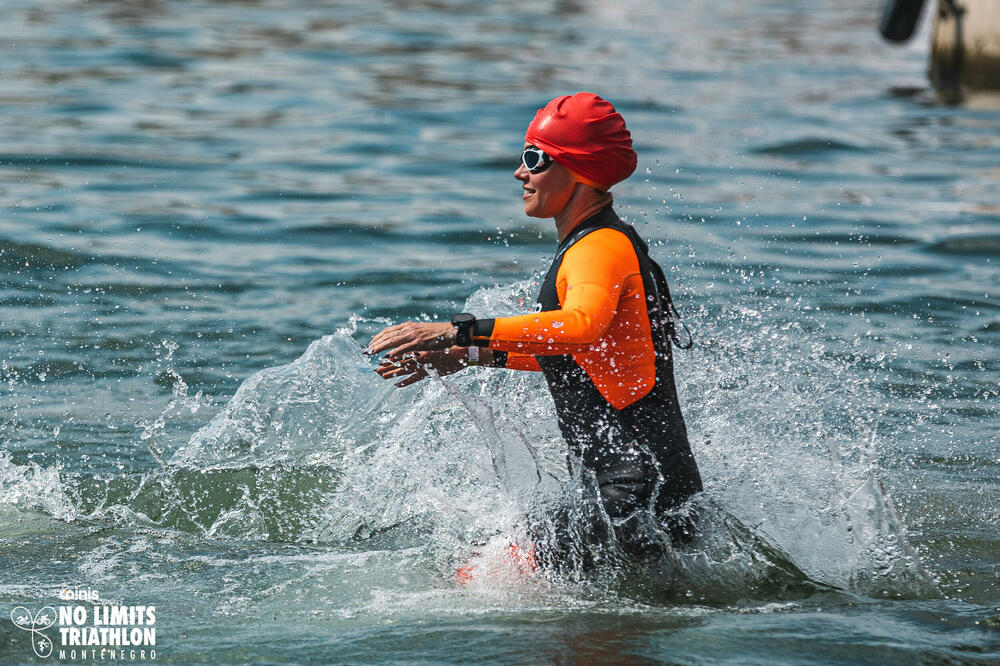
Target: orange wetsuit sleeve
(522, 362)
(589, 282)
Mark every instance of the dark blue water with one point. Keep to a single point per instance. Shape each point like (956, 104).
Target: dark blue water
(195, 193)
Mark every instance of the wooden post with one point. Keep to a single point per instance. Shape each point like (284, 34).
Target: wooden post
(965, 46)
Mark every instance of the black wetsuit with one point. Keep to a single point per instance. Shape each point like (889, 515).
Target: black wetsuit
(638, 455)
(642, 449)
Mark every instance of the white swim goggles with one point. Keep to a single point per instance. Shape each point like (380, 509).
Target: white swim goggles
(535, 160)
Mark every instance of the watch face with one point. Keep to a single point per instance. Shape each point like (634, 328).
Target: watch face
(462, 318)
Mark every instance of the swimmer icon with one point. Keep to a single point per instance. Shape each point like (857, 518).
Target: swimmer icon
(36, 623)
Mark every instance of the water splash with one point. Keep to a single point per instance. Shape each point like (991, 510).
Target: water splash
(180, 399)
(784, 429)
(320, 407)
(322, 450)
(34, 488)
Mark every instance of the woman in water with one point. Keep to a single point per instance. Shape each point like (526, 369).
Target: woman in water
(601, 333)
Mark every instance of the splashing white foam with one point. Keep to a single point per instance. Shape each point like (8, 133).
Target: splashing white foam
(781, 429)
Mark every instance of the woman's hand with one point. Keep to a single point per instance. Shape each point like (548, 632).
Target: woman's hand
(417, 365)
(411, 337)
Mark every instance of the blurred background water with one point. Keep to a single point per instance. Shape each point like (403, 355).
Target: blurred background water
(195, 193)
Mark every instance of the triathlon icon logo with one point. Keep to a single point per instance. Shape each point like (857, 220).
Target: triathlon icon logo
(36, 623)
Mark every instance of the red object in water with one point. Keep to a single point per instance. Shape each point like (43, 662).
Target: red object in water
(522, 558)
(464, 574)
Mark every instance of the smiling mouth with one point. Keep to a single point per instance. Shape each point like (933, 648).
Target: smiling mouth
(527, 192)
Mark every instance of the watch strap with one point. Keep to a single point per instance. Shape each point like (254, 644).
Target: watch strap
(464, 324)
(482, 331)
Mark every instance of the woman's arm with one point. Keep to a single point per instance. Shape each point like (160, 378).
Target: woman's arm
(417, 366)
(590, 281)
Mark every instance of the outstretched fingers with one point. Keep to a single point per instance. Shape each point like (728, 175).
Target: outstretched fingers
(412, 379)
(385, 339)
(411, 336)
(388, 369)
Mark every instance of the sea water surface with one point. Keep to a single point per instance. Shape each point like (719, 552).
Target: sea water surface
(209, 207)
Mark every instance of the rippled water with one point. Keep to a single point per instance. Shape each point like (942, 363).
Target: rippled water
(209, 207)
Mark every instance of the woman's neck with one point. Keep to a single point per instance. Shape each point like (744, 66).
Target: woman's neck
(584, 203)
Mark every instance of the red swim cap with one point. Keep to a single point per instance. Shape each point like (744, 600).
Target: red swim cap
(586, 135)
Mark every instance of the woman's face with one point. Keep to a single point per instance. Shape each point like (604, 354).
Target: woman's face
(547, 193)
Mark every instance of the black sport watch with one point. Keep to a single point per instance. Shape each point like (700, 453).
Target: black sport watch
(464, 323)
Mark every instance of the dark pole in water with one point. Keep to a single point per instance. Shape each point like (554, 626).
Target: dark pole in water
(899, 19)
(944, 74)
